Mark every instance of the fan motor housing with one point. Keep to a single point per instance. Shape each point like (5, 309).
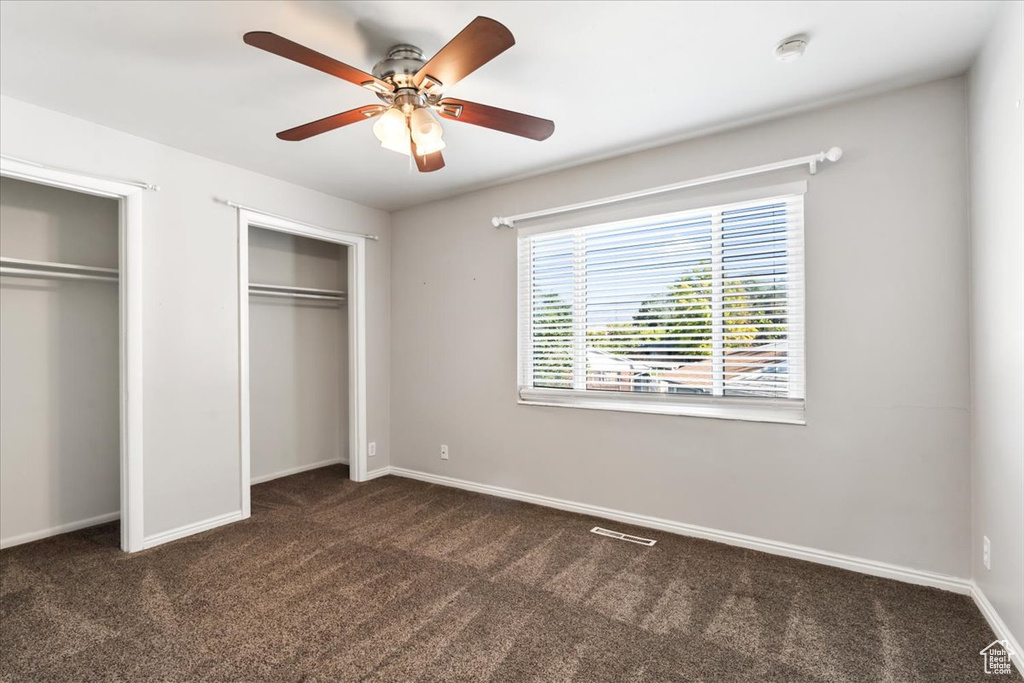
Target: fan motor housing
(400, 65)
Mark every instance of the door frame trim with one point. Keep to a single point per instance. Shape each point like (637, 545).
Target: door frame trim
(356, 298)
(130, 313)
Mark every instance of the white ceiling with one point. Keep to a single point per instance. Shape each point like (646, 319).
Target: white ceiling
(614, 76)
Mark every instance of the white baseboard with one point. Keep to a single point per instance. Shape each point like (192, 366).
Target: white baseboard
(227, 518)
(383, 471)
(295, 470)
(872, 567)
(998, 625)
(190, 529)
(57, 530)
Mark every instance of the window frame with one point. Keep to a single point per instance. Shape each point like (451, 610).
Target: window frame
(744, 408)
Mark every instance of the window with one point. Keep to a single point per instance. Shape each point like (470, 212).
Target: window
(698, 312)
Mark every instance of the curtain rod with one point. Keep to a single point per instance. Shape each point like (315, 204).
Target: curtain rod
(811, 161)
(134, 183)
(243, 207)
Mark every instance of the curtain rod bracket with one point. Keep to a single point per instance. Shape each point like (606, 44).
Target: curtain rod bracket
(833, 154)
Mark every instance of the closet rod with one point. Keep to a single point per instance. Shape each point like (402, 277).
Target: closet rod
(38, 274)
(296, 295)
(54, 265)
(243, 207)
(300, 290)
(135, 183)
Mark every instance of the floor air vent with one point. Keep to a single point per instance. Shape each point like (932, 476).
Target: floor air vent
(622, 537)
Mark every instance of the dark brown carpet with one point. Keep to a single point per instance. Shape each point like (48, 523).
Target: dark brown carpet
(396, 580)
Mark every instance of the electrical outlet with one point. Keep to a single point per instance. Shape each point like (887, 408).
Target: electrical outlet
(444, 451)
(986, 552)
(371, 449)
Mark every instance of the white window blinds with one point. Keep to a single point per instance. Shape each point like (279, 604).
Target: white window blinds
(691, 312)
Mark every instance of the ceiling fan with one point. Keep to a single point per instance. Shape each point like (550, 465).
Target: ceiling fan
(410, 88)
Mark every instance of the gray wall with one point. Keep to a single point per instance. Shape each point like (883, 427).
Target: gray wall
(298, 356)
(190, 295)
(59, 433)
(997, 314)
(880, 471)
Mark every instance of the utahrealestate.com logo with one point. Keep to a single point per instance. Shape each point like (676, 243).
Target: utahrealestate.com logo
(997, 657)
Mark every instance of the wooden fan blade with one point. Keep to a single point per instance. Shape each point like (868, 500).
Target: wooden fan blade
(428, 162)
(273, 43)
(308, 130)
(480, 42)
(504, 120)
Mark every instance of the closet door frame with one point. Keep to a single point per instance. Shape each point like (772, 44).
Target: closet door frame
(356, 298)
(130, 325)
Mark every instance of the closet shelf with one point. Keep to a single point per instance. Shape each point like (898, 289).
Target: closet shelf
(15, 267)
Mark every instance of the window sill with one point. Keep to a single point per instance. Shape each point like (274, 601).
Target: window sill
(781, 411)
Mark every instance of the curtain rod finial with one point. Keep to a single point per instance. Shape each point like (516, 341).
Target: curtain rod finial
(834, 154)
(499, 222)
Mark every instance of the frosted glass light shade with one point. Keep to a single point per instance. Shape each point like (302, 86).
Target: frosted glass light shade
(426, 131)
(400, 145)
(429, 148)
(391, 127)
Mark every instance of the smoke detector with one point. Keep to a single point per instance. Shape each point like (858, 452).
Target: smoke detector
(791, 49)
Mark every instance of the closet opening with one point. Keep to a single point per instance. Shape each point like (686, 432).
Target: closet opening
(70, 353)
(301, 334)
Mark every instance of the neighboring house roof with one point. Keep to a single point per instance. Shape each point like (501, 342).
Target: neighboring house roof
(744, 369)
(737, 364)
(602, 361)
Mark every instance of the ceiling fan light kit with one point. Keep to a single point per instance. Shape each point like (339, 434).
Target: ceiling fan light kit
(411, 88)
